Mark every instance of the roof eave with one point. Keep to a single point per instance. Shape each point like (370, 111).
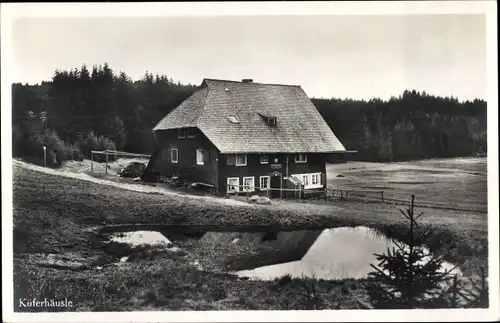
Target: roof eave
(282, 152)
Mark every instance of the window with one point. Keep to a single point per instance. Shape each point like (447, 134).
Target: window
(264, 159)
(231, 159)
(232, 184)
(191, 133)
(174, 155)
(241, 160)
(305, 179)
(249, 184)
(199, 156)
(271, 121)
(238, 160)
(264, 183)
(301, 158)
(181, 134)
(315, 179)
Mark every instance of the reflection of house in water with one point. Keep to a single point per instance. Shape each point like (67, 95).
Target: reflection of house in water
(246, 136)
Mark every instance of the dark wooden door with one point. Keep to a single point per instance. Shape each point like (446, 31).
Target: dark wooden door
(275, 184)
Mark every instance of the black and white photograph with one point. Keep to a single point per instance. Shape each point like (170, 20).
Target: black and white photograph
(250, 161)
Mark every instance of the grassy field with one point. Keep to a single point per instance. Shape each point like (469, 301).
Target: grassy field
(458, 183)
(52, 215)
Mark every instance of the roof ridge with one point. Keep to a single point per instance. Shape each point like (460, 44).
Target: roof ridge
(203, 103)
(260, 83)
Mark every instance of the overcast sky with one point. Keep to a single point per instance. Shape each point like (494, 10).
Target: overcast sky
(329, 56)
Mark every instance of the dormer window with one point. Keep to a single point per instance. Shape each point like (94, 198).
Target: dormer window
(233, 119)
(271, 121)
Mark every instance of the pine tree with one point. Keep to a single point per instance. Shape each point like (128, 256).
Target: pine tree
(408, 276)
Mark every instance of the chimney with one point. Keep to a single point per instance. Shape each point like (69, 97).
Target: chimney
(247, 80)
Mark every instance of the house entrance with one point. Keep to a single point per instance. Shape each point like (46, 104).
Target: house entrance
(276, 185)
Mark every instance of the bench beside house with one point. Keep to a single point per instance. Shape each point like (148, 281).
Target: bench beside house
(231, 134)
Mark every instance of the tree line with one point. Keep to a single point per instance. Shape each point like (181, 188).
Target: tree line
(412, 126)
(82, 109)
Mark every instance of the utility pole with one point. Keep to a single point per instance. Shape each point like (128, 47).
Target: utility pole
(45, 156)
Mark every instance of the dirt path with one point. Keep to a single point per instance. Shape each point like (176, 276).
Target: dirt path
(305, 209)
(130, 187)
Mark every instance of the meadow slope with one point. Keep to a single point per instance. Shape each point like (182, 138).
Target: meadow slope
(52, 214)
(454, 183)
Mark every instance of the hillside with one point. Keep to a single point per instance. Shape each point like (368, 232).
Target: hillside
(57, 253)
(43, 201)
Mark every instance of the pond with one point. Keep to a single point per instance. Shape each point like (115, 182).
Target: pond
(331, 254)
(137, 238)
(339, 253)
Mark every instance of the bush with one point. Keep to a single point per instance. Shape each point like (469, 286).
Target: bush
(17, 140)
(29, 145)
(133, 170)
(284, 280)
(94, 142)
(77, 152)
(57, 150)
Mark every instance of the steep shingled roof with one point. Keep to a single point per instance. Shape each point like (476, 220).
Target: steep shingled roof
(300, 128)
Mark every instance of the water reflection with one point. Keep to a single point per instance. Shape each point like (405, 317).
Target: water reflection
(339, 253)
(137, 238)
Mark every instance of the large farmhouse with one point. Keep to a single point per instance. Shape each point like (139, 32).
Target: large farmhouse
(239, 136)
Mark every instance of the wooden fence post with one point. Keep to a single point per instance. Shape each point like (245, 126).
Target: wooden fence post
(382, 196)
(341, 194)
(92, 161)
(281, 186)
(106, 171)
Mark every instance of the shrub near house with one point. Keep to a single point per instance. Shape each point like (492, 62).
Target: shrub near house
(240, 136)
